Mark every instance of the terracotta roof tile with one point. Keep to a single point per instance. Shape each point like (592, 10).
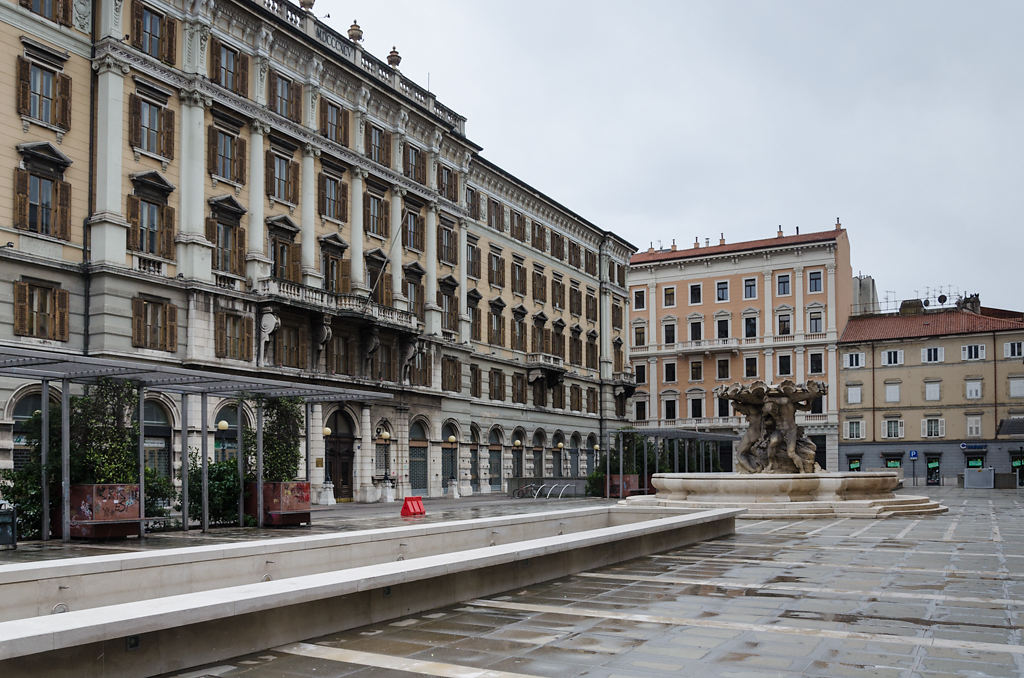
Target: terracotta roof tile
(784, 241)
(952, 321)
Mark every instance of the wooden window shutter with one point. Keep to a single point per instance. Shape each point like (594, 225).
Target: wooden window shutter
(343, 201)
(242, 76)
(367, 139)
(388, 291)
(21, 308)
(62, 12)
(20, 198)
(134, 236)
(303, 346)
(386, 150)
(385, 218)
(220, 334)
(268, 171)
(167, 133)
(169, 41)
(366, 211)
(211, 230)
(272, 91)
(323, 116)
(170, 328)
(238, 171)
(215, 60)
(138, 322)
(63, 101)
(135, 123)
(61, 329)
(406, 167)
(247, 338)
(136, 24)
(24, 87)
(293, 182)
(238, 254)
(295, 102)
(27, 4)
(321, 195)
(294, 262)
(62, 222)
(212, 135)
(437, 176)
(345, 276)
(167, 232)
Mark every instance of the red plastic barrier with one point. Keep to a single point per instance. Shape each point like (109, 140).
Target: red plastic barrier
(413, 506)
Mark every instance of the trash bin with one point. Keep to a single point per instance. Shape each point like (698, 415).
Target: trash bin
(8, 526)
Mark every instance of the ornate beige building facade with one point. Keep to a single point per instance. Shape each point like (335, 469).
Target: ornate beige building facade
(236, 186)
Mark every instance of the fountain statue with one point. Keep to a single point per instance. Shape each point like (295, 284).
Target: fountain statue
(773, 442)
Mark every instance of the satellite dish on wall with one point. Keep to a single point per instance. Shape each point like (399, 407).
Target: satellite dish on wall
(927, 302)
(942, 298)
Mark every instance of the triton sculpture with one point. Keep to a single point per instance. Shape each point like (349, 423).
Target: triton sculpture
(773, 442)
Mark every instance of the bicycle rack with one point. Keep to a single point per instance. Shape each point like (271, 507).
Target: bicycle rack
(537, 493)
(566, 487)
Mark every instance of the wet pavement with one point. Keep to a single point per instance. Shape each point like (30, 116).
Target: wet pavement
(909, 596)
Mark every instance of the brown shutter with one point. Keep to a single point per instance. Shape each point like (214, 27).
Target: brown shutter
(242, 76)
(167, 133)
(64, 12)
(211, 230)
(343, 122)
(21, 308)
(63, 102)
(138, 322)
(323, 116)
(214, 60)
(366, 213)
(388, 291)
(20, 198)
(386, 150)
(385, 218)
(238, 172)
(294, 263)
(169, 41)
(293, 182)
(421, 168)
(27, 4)
(295, 102)
(62, 222)
(61, 330)
(134, 236)
(238, 253)
(437, 173)
(321, 195)
(167, 229)
(303, 346)
(135, 122)
(406, 169)
(343, 201)
(268, 172)
(136, 36)
(367, 139)
(220, 334)
(170, 328)
(212, 134)
(24, 87)
(247, 337)
(272, 91)
(345, 276)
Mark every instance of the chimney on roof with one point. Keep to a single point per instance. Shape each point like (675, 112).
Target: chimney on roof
(673, 244)
(779, 234)
(721, 239)
(911, 307)
(707, 242)
(798, 230)
(838, 225)
(650, 250)
(696, 242)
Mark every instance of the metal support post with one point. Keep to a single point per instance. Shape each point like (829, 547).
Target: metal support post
(44, 458)
(65, 459)
(240, 461)
(142, 461)
(184, 462)
(259, 464)
(204, 451)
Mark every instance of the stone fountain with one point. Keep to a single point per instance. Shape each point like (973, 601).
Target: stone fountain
(776, 474)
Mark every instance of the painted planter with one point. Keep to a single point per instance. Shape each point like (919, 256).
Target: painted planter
(103, 511)
(284, 503)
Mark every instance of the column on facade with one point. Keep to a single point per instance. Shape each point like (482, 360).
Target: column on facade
(311, 274)
(652, 312)
(832, 409)
(316, 449)
(769, 365)
(768, 325)
(108, 227)
(433, 311)
(257, 261)
(799, 358)
(798, 311)
(401, 443)
(464, 321)
(362, 479)
(605, 328)
(654, 379)
(434, 487)
(357, 270)
(831, 273)
(195, 253)
(395, 248)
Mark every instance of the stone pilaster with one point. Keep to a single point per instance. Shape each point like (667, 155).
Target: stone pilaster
(194, 250)
(464, 320)
(311, 274)
(362, 477)
(395, 249)
(433, 311)
(358, 270)
(257, 263)
(831, 273)
(108, 227)
(798, 307)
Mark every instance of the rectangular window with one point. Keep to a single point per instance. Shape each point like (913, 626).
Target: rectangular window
(337, 272)
(1013, 349)
(814, 323)
(722, 328)
(814, 281)
(518, 278)
(695, 293)
(496, 386)
(696, 370)
(473, 261)
(495, 269)
(591, 401)
(451, 374)
(670, 409)
(892, 393)
(225, 166)
(750, 367)
(150, 121)
(495, 215)
(853, 360)
(154, 324)
(750, 288)
(475, 381)
(891, 358)
(574, 254)
(785, 328)
(473, 202)
(972, 389)
(149, 228)
(783, 285)
(476, 323)
(669, 297)
(972, 352)
(933, 390)
(723, 407)
(639, 300)
(226, 72)
(933, 427)
(40, 311)
(723, 368)
(447, 183)
(375, 215)
(42, 203)
(640, 407)
(853, 395)
(518, 226)
(540, 286)
(281, 178)
(333, 196)
(414, 164)
(233, 336)
(42, 94)
(378, 145)
(722, 291)
(641, 373)
(519, 388)
(590, 262)
(854, 430)
(223, 253)
(816, 364)
(591, 314)
(281, 96)
(152, 25)
(640, 336)
(1017, 387)
(495, 328)
(892, 428)
(670, 371)
(447, 245)
(750, 328)
(785, 365)
(54, 10)
(973, 426)
(932, 355)
(670, 333)
(697, 408)
(290, 347)
(557, 242)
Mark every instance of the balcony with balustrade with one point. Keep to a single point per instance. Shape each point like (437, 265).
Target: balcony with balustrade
(338, 305)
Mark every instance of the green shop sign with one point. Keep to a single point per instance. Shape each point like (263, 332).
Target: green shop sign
(893, 463)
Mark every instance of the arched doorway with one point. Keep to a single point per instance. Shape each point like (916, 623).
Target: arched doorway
(449, 454)
(557, 450)
(157, 442)
(474, 458)
(591, 453)
(495, 442)
(338, 455)
(418, 452)
(519, 453)
(538, 453)
(574, 455)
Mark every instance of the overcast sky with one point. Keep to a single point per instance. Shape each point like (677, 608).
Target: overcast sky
(662, 120)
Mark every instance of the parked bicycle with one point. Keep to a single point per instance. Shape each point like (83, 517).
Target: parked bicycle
(529, 490)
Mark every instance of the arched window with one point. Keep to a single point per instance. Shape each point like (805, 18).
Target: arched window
(24, 410)
(157, 440)
(225, 443)
(418, 432)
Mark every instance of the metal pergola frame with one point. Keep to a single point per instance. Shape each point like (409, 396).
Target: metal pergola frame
(664, 434)
(68, 368)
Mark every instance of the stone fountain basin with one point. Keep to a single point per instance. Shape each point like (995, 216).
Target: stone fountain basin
(775, 487)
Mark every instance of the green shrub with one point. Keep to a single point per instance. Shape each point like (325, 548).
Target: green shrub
(595, 484)
(223, 482)
(283, 420)
(160, 494)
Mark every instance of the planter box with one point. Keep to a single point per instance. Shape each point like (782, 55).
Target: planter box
(107, 511)
(283, 503)
(629, 482)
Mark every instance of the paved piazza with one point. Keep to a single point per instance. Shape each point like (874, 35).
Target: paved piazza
(929, 596)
